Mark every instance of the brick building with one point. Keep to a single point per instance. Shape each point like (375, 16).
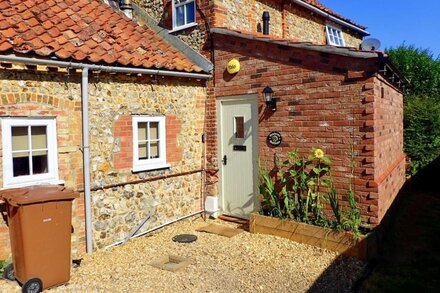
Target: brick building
(152, 72)
(330, 94)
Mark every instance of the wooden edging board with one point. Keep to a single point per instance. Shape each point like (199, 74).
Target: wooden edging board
(342, 242)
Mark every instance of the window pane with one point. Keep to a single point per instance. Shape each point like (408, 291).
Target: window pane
(180, 15)
(39, 137)
(142, 131)
(143, 151)
(39, 162)
(21, 165)
(154, 148)
(332, 40)
(20, 138)
(154, 130)
(190, 12)
(239, 127)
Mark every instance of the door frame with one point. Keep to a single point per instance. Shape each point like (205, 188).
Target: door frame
(255, 139)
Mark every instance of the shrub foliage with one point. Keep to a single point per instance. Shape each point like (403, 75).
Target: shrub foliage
(421, 104)
(299, 189)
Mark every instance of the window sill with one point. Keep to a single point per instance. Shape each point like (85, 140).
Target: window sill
(25, 184)
(150, 167)
(336, 45)
(182, 27)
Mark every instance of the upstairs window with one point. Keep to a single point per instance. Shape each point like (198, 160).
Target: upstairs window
(334, 36)
(149, 143)
(184, 14)
(29, 151)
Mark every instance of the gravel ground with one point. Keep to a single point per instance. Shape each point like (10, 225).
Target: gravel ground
(244, 263)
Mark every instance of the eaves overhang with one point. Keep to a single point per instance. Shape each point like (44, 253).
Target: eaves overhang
(342, 51)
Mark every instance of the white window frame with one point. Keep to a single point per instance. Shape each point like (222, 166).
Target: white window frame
(174, 13)
(330, 31)
(149, 164)
(51, 177)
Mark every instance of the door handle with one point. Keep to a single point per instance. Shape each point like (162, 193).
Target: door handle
(225, 160)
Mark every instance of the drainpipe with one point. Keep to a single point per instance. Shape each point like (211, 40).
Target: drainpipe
(86, 157)
(266, 18)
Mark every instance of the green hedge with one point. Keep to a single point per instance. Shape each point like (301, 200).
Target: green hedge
(421, 130)
(421, 103)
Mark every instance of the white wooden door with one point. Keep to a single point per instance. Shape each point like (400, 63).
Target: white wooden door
(238, 151)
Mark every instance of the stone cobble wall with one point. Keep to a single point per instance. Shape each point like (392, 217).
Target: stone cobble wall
(276, 19)
(121, 209)
(351, 39)
(302, 25)
(112, 98)
(45, 94)
(155, 8)
(288, 21)
(236, 14)
(195, 37)
(160, 11)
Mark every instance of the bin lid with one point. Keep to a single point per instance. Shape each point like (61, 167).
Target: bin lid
(37, 194)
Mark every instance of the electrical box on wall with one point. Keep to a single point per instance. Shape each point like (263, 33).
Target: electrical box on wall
(211, 204)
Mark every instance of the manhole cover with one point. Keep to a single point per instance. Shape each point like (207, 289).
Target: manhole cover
(185, 238)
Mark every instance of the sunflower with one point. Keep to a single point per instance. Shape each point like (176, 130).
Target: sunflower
(319, 153)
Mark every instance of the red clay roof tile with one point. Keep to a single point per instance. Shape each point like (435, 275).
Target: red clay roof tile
(84, 30)
(5, 46)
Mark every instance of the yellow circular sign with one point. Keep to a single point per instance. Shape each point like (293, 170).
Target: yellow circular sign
(233, 66)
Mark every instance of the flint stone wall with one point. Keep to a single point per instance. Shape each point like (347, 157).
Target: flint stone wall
(113, 97)
(116, 211)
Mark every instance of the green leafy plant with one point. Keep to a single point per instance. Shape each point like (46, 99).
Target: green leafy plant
(422, 131)
(421, 104)
(4, 264)
(298, 187)
(295, 191)
(332, 198)
(352, 216)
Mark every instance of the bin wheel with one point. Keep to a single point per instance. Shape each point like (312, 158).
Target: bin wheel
(8, 272)
(32, 286)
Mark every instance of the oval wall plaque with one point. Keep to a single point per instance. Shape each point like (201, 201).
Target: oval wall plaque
(274, 138)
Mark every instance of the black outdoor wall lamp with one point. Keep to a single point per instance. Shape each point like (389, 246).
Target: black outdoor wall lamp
(271, 102)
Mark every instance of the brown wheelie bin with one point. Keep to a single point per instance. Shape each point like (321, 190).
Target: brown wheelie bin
(39, 220)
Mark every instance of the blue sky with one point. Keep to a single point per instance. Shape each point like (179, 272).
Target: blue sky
(395, 21)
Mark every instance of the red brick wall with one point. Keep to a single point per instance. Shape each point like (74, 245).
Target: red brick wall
(123, 130)
(323, 101)
(173, 128)
(388, 154)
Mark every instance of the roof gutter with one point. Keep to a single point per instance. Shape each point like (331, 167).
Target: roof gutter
(66, 64)
(331, 17)
(342, 51)
(85, 117)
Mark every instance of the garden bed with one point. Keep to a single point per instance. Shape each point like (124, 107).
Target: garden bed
(364, 248)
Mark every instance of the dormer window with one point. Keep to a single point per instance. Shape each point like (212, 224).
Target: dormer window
(184, 14)
(334, 36)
